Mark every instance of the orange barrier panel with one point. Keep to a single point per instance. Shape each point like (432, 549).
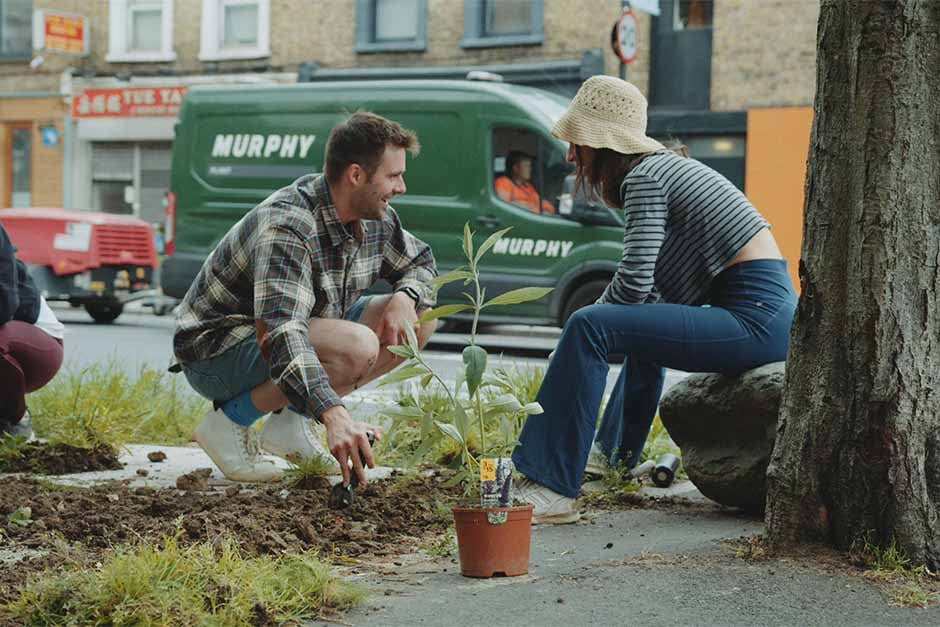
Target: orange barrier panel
(775, 173)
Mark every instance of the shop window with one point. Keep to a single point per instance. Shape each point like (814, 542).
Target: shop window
(21, 167)
(528, 171)
(16, 29)
(235, 29)
(391, 25)
(693, 14)
(140, 31)
(489, 23)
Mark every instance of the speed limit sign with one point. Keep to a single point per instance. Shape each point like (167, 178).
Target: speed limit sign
(625, 37)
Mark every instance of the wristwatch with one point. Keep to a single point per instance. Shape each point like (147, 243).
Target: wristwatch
(412, 293)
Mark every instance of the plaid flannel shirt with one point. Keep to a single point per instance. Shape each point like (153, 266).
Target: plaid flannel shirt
(288, 260)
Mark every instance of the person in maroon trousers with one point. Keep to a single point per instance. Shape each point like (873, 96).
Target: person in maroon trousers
(31, 341)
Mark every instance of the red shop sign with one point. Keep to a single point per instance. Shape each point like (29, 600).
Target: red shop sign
(124, 102)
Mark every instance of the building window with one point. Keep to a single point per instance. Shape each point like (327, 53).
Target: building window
(693, 14)
(235, 29)
(21, 167)
(140, 31)
(391, 25)
(489, 23)
(16, 29)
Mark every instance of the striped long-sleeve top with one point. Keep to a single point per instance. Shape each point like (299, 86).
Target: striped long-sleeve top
(684, 222)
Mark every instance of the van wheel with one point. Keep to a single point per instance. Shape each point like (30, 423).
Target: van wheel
(104, 313)
(587, 294)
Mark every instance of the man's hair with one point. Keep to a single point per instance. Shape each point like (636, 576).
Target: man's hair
(362, 139)
(514, 157)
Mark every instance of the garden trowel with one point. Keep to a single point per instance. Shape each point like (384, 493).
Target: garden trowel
(341, 496)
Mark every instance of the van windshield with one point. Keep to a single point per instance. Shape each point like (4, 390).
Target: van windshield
(548, 105)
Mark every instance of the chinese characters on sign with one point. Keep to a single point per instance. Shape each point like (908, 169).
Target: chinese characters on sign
(122, 102)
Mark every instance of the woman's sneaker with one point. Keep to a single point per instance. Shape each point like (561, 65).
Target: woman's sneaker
(550, 507)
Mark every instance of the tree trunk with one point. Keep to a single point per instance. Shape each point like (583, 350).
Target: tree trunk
(857, 453)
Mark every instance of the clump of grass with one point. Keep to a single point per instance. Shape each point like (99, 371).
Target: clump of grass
(444, 545)
(306, 471)
(101, 404)
(887, 564)
(170, 584)
(11, 447)
(751, 548)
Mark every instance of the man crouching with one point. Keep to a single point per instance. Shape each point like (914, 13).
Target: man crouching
(275, 320)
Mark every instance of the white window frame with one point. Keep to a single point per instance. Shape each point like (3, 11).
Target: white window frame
(119, 31)
(210, 47)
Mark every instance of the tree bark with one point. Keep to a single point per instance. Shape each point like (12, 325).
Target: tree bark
(857, 453)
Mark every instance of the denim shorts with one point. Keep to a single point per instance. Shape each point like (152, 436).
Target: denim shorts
(241, 368)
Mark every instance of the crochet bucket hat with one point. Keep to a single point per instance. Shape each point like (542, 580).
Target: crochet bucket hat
(607, 113)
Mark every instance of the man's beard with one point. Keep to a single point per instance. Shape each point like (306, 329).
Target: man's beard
(369, 205)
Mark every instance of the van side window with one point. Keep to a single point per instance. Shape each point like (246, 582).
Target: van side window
(528, 171)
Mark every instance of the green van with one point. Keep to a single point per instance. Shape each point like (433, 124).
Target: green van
(235, 145)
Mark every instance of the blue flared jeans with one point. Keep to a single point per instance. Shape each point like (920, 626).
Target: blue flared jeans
(745, 324)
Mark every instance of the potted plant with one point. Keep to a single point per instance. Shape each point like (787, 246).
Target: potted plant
(494, 537)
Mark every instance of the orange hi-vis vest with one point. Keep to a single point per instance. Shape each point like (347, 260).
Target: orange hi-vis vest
(524, 195)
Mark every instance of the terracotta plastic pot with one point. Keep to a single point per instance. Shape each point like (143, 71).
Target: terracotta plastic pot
(493, 541)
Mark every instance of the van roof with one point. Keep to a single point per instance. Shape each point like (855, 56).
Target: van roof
(543, 102)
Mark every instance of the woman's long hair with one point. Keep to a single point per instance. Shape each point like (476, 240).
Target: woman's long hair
(607, 168)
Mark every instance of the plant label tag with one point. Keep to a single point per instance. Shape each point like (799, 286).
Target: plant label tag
(487, 469)
(496, 482)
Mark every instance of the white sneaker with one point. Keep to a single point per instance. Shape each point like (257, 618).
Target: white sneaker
(596, 462)
(288, 433)
(550, 507)
(234, 449)
(23, 428)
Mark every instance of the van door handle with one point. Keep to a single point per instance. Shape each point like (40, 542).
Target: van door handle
(489, 222)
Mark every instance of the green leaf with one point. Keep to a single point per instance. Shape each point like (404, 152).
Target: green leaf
(467, 241)
(505, 427)
(532, 409)
(426, 381)
(449, 277)
(450, 431)
(474, 359)
(504, 403)
(461, 421)
(521, 295)
(440, 312)
(403, 374)
(422, 451)
(402, 412)
(415, 392)
(412, 339)
(401, 351)
(22, 517)
(427, 425)
(490, 241)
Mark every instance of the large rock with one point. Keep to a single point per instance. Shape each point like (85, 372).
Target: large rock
(725, 427)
